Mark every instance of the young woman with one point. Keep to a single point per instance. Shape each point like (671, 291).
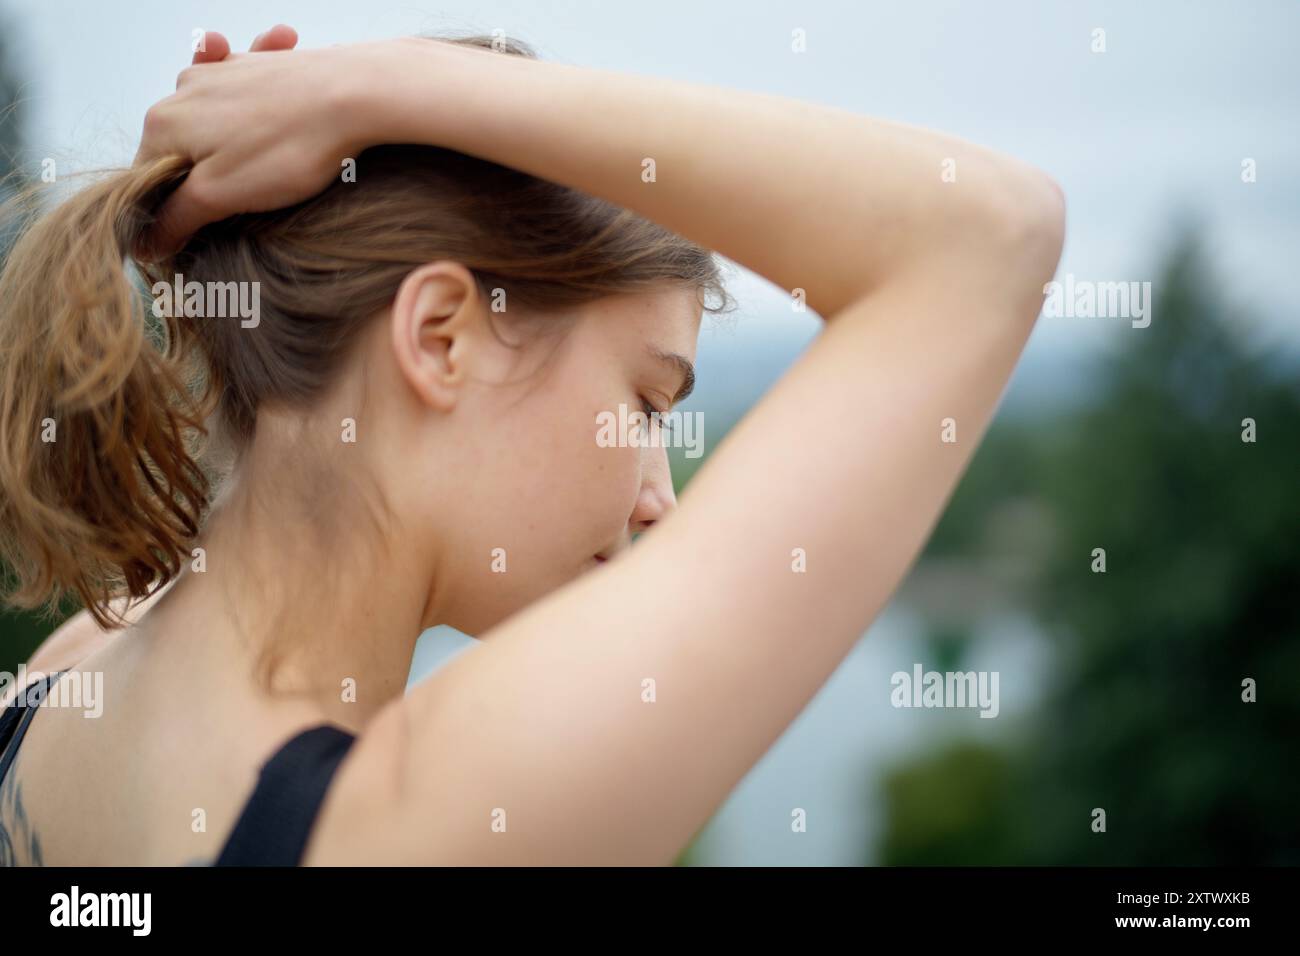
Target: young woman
(463, 256)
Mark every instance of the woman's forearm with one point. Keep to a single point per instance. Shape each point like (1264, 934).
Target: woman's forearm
(809, 196)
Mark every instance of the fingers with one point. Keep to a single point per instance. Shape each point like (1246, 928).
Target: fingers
(216, 47)
(184, 212)
(279, 37)
(190, 206)
(213, 48)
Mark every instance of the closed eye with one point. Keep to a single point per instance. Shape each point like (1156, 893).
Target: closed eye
(682, 366)
(656, 416)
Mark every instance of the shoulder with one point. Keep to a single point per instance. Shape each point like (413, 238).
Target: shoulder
(72, 642)
(359, 822)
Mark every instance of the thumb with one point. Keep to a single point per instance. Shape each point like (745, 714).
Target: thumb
(190, 207)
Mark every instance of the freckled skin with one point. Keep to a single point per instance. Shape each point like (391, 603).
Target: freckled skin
(564, 498)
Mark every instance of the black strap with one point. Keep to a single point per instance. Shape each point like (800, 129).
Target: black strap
(17, 716)
(276, 821)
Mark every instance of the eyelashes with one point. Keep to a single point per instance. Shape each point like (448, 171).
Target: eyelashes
(656, 416)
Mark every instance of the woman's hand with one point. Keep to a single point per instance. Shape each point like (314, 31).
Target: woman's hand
(262, 132)
(216, 47)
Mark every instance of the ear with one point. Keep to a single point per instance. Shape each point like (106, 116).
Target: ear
(436, 323)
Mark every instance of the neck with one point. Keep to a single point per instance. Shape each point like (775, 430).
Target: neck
(297, 595)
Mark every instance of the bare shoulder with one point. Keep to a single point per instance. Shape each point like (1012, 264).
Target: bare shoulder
(70, 643)
(74, 640)
(360, 820)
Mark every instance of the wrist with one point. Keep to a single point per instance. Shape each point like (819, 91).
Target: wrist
(378, 97)
(419, 90)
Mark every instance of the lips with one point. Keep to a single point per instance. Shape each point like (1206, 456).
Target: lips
(608, 554)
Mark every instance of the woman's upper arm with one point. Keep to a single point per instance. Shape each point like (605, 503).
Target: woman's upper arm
(607, 722)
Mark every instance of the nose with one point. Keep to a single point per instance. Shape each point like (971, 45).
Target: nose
(655, 499)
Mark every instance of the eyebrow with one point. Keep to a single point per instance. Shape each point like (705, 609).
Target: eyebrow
(683, 365)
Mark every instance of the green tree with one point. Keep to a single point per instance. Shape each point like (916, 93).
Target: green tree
(20, 632)
(1145, 716)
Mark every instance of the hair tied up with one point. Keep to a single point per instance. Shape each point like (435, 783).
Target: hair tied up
(98, 410)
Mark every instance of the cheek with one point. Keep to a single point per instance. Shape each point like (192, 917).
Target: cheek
(613, 479)
(604, 478)
(575, 495)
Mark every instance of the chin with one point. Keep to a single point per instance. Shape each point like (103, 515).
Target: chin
(480, 620)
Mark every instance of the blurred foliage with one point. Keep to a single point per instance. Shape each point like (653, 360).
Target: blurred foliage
(12, 175)
(11, 106)
(20, 633)
(1144, 716)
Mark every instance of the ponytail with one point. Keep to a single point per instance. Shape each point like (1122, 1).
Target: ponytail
(100, 495)
(99, 491)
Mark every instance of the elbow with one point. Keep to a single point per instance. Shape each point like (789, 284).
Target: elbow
(1029, 217)
(1020, 233)
(1045, 231)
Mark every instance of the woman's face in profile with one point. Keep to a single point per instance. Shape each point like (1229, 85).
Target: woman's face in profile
(531, 490)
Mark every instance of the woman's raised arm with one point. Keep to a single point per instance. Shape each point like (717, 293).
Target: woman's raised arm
(930, 287)
(808, 196)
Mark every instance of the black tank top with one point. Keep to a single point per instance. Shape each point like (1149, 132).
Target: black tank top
(273, 827)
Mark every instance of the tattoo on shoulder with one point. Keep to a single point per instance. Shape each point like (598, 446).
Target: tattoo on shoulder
(20, 845)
